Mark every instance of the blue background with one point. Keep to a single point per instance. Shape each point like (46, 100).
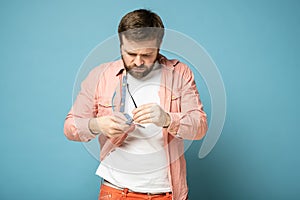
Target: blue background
(255, 45)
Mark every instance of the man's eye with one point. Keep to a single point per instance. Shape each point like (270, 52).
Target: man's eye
(131, 54)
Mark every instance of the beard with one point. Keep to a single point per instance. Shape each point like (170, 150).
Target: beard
(139, 72)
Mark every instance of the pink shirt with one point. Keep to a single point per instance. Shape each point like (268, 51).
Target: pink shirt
(178, 96)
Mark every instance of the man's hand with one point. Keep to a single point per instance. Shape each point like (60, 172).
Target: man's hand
(151, 113)
(111, 126)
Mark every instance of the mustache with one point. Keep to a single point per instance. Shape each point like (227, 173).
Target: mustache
(138, 67)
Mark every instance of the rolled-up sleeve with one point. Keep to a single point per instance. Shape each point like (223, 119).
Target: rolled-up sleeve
(76, 126)
(191, 122)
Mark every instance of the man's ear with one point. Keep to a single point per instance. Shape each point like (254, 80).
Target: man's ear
(158, 54)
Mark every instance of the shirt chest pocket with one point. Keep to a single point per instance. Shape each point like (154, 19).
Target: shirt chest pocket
(176, 102)
(105, 106)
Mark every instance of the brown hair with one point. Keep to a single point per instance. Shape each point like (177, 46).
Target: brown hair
(140, 25)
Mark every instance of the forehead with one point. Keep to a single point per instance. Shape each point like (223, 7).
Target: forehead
(147, 45)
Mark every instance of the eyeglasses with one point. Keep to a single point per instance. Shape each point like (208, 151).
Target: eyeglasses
(130, 120)
(128, 117)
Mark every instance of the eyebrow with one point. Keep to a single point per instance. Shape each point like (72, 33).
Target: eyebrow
(143, 54)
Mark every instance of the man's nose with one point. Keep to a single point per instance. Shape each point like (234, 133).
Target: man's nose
(138, 61)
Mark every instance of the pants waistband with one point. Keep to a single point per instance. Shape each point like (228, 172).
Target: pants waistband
(126, 190)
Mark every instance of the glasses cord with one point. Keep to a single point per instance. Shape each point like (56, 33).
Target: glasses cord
(131, 96)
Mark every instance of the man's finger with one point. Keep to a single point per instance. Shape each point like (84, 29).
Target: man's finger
(142, 107)
(116, 119)
(142, 114)
(147, 116)
(120, 116)
(116, 128)
(146, 121)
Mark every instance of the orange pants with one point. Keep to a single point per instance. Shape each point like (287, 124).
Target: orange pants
(109, 193)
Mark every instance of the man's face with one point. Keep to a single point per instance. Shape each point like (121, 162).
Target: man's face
(139, 57)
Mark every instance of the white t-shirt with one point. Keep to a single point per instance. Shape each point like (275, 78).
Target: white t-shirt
(140, 163)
